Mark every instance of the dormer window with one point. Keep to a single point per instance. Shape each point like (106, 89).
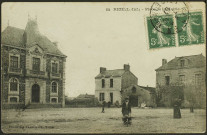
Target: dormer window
(134, 90)
(182, 63)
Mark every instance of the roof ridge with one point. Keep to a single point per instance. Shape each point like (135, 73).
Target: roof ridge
(14, 27)
(114, 69)
(190, 55)
(172, 63)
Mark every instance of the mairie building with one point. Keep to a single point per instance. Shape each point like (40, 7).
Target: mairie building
(33, 68)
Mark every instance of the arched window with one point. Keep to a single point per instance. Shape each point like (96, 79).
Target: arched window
(13, 84)
(54, 87)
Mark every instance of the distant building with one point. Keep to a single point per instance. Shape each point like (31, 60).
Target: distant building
(33, 68)
(84, 96)
(186, 71)
(109, 84)
(83, 100)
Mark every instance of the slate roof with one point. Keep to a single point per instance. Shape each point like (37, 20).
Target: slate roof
(109, 73)
(12, 36)
(150, 89)
(138, 88)
(28, 38)
(195, 61)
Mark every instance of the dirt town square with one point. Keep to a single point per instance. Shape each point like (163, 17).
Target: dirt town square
(91, 120)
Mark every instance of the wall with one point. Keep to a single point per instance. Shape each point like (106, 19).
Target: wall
(174, 80)
(128, 79)
(116, 83)
(28, 89)
(6, 76)
(107, 90)
(116, 95)
(174, 75)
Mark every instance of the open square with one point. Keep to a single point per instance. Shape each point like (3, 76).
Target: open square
(91, 120)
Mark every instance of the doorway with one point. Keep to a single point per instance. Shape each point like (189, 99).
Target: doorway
(35, 93)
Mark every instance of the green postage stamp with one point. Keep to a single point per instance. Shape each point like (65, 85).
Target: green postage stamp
(193, 32)
(160, 31)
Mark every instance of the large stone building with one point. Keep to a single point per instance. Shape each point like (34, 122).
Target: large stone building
(110, 83)
(33, 69)
(188, 72)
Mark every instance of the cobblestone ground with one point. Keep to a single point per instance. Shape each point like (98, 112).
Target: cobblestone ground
(91, 120)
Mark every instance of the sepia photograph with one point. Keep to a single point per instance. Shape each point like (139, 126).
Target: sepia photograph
(103, 67)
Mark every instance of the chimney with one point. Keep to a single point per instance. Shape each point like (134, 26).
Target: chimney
(102, 69)
(164, 61)
(55, 43)
(126, 67)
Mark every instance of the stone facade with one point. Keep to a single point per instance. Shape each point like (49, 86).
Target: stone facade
(109, 84)
(186, 71)
(33, 69)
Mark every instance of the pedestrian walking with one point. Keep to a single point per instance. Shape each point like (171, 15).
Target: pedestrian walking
(103, 105)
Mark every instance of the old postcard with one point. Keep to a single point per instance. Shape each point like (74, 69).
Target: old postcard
(108, 67)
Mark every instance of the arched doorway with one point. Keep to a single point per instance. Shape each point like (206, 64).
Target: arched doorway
(35, 93)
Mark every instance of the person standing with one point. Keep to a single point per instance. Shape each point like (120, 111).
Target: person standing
(103, 105)
(126, 111)
(177, 104)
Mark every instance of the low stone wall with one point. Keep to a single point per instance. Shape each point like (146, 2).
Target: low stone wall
(31, 106)
(12, 106)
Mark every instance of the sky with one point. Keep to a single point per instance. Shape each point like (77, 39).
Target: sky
(92, 37)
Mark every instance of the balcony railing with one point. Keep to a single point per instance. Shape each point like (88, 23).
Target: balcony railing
(15, 70)
(36, 73)
(55, 75)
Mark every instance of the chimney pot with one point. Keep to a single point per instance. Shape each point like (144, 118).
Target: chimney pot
(164, 61)
(126, 67)
(102, 69)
